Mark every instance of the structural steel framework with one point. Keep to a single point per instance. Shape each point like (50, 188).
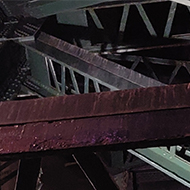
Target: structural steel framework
(98, 46)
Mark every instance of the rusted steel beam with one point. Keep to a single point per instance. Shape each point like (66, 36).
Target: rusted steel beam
(154, 128)
(124, 119)
(95, 104)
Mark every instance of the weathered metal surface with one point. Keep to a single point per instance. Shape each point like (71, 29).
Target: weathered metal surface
(71, 62)
(41, 9)
(97, 67)
(119, 131)
(77, 17)
(169, 160)
(156, 44)
(95, 104)
(95, 120)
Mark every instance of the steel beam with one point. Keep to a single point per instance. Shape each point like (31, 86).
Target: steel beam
(81, 60)
(41, 9)
(95, 104)
(104, 120)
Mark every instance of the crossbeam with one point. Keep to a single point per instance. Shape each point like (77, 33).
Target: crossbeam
(95, 105)
(39, 9)
(122, 119)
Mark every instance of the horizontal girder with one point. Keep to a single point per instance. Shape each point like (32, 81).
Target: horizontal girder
(122, 119)
(95, 104)
(41, 9)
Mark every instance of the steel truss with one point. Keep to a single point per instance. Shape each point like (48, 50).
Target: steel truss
(65, 75)
(122, 24)
(57, 86)
(61, 56)
(120, 107)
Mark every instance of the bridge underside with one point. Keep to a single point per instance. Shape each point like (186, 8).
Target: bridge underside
(125, 120)
(120, 73)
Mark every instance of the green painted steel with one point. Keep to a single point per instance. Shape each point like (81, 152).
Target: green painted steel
(41, 9)
(167, 161)
(77, 18)
(101, 72)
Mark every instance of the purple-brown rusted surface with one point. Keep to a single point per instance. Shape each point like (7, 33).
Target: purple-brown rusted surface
(129, 119)
(95, 104)
(140, 129)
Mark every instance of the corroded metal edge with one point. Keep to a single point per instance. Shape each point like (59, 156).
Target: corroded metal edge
(95, 104)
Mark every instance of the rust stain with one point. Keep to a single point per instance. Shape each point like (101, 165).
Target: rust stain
(95, 104)
(112, 118)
